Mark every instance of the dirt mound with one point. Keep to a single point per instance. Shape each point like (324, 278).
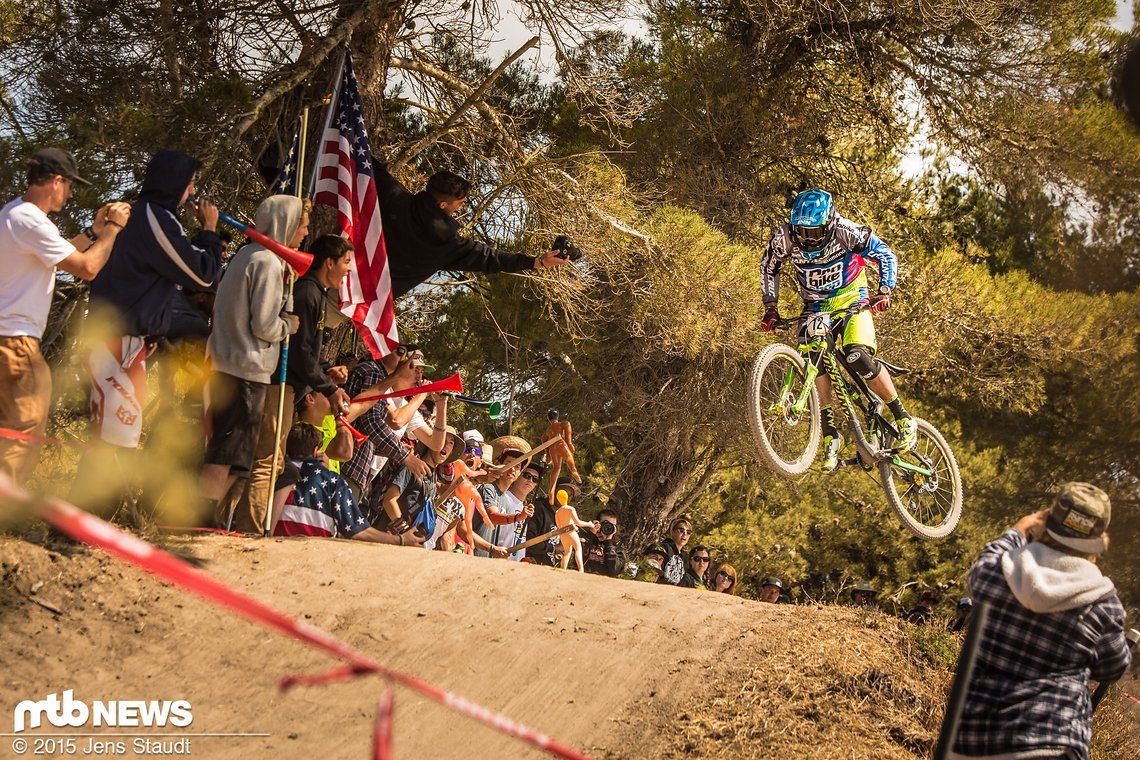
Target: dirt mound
(617, 669)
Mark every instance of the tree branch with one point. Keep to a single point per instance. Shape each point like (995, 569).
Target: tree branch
(475, 95)
(339, 36)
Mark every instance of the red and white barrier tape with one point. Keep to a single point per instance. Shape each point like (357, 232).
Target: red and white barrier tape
(91, 530)
(382, 738)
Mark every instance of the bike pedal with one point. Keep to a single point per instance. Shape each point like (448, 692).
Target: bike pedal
(852, 462)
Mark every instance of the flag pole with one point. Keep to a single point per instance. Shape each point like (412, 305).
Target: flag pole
(285, 343)
(328, 121)
(292, 280)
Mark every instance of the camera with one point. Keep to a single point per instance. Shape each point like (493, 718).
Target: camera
(607, 529)
(568, 250)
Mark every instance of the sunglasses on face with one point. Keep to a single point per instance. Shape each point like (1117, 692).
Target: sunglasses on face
(731, 578)
(683, 530)
(700, 559)
(530, 476)
(472, 450)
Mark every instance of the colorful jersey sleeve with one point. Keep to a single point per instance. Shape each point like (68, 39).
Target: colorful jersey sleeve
(770, 264)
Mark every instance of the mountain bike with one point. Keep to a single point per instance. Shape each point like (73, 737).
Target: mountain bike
(923, 485)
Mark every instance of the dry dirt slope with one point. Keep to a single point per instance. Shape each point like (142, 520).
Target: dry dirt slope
(617, 669)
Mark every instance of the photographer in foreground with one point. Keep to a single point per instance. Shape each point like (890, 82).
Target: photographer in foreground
(599, 546)
(1055, 621)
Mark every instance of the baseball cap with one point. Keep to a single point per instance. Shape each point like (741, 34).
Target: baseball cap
(1079, 517)
(772, 580)
(59, 161)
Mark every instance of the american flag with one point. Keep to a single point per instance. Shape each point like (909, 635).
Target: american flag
(286, 183)
(345, 181)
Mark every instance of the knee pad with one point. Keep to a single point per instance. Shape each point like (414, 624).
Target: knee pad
(861, 361)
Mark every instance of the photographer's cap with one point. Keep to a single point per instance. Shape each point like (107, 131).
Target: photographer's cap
(1079, 517)
(59, 161)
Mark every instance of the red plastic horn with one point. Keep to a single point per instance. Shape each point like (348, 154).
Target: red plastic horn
(299, 261)
(453, 383)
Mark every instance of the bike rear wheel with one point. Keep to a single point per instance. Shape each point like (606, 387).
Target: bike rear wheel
(928, 505)
(788, 442)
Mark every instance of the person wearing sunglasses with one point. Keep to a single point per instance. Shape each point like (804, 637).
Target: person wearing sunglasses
(724, 581)
(670, 553)
(697, 574)
(516, 500)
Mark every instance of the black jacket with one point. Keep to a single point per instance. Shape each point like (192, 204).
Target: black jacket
(305, 368)
(603, 557)
(542, 522)
(421, 239)
(152, 255)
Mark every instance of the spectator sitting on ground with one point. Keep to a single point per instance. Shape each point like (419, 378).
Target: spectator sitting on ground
(863, 595)
(962, 615)
(673, 549)
(697, 574)
(310, 500)
(542, 521)
(1054, 623)
(490, 540)
(408, 495)
(924, 610)
(771, 589)
(396, 368)
(724, 581)
(599, 547)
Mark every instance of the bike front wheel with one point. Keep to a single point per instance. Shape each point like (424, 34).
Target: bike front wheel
(787, 440)
(924, 486)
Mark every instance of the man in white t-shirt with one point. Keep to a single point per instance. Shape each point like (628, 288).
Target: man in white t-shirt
(31, 248)
(515, 501)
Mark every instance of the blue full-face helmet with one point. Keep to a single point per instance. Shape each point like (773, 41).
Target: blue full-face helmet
(813, 220)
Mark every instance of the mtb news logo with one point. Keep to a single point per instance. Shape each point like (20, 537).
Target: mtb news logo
(74, 713)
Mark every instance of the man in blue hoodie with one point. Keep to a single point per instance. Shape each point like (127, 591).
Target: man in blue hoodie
(132, 300)
(1055, 621)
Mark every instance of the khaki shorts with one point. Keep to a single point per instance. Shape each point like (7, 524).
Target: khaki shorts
(25, 398)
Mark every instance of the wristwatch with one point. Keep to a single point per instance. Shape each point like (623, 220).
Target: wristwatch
(884, 290)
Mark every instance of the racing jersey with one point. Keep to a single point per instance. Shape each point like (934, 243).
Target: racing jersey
(836, 271)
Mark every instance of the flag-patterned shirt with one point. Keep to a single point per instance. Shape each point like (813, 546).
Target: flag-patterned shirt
(320, 505)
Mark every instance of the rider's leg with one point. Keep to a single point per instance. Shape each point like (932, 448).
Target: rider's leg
(860, 360)
(859, 354)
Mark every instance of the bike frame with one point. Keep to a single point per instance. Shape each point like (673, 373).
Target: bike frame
(851, 390)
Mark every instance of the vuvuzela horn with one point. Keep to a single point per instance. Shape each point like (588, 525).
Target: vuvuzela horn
(494, 408)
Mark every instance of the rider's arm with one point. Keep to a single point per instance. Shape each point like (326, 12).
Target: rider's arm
(884, 258)
(770, 269)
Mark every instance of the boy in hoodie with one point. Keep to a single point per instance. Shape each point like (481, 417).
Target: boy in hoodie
(1055, 622)
(249, 325)
(135, 293)
(332, 259)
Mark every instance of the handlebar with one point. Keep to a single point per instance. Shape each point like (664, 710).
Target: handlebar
(850, 311)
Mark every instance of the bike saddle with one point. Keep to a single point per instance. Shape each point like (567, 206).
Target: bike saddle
(894, 369)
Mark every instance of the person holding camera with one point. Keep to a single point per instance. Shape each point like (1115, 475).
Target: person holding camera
(599, 547)
(1054, 622)
(422, 235)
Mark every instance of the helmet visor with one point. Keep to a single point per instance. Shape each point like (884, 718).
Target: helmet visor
(811, 238)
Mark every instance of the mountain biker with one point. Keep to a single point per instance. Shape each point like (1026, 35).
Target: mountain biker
(830, 254)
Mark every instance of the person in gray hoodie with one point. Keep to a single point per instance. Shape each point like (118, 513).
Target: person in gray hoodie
(1055, 622)
(250, 323)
